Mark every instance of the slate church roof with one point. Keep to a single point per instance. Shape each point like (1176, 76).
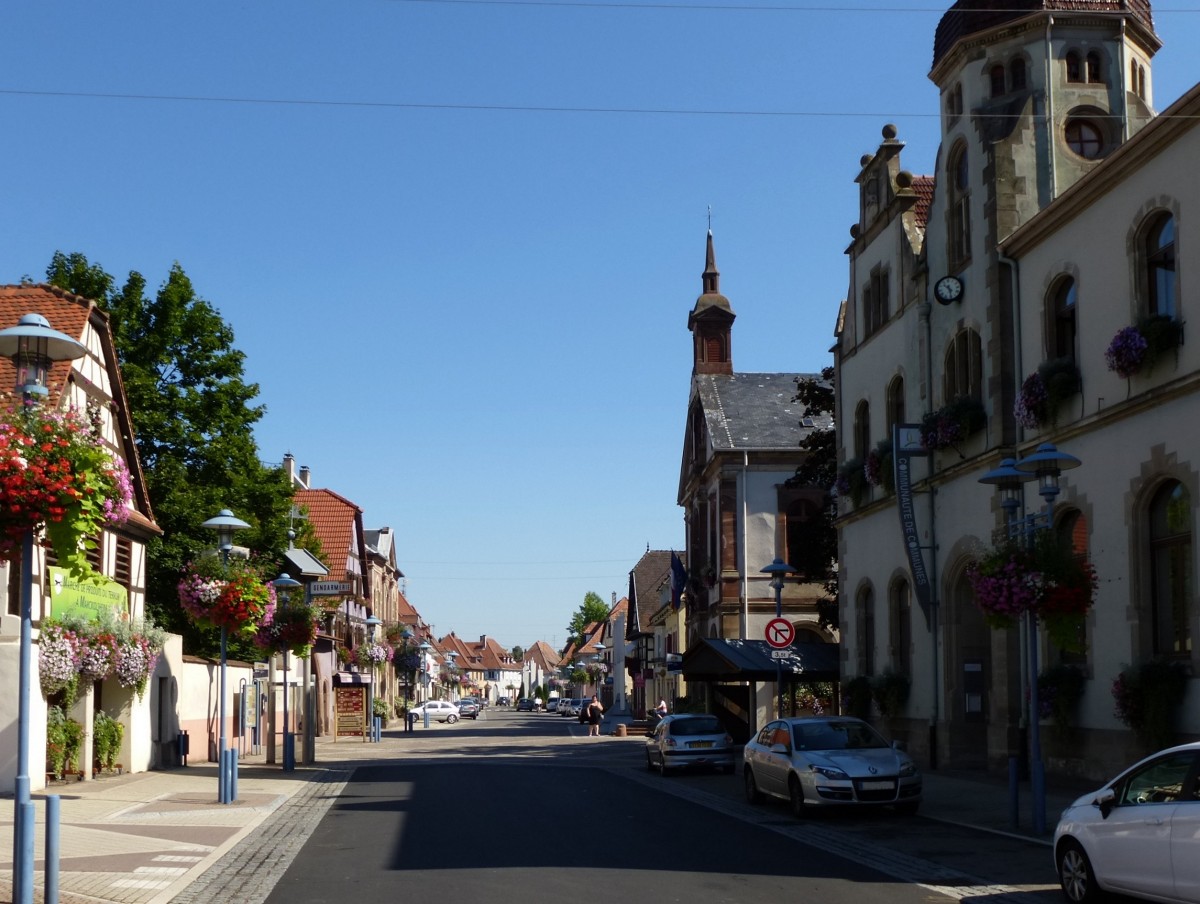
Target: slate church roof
(746, 412)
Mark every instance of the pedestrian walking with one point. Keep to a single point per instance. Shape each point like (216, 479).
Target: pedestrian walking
(595, 715)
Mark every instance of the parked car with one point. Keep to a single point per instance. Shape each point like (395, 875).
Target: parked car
(468, 708)
(829, 761)
(572, 707)
(552, 705)
(502, 701)
(525, 705)
(441, 710)
(1137, 835)
(687, 741)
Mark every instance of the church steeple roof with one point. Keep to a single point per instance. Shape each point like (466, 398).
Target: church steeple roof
(711, 322)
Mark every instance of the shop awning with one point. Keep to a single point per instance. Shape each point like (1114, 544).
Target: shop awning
(715, 659)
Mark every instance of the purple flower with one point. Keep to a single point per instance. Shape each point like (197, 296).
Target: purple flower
(1126, 352)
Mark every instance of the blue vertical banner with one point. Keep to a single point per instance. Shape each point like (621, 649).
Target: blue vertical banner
(907, 445)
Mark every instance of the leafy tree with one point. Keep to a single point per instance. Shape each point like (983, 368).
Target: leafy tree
(193, 415)
(819, 470)
(590, 611)
(517, 653)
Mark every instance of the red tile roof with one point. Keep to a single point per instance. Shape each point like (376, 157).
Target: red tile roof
(334, 520)
(923, 187)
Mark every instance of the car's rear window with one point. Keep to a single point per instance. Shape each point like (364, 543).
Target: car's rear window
(692, 727)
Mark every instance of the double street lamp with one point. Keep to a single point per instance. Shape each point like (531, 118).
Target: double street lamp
(33, 346)
(1044, 465)
(225, 524)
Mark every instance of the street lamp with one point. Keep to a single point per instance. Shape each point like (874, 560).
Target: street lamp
(778, 570)
(284, 585)
(1045, 465)
(225, 524)
(33, 346)
(406, 670)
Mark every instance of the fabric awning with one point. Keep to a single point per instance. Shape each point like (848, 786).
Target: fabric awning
(344, 678)
(733, 659)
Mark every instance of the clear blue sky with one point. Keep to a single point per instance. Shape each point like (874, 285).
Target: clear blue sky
(458, 241)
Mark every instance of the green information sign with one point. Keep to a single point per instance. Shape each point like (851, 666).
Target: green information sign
(85, 599)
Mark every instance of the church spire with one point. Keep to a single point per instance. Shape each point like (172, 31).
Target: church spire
(711, 321)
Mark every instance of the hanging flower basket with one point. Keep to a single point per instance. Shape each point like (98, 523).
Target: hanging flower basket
(97, 655)
(293, 628)
(233, 596)
(57, 475)
(878, 469)
(369, 655)
(949, 426)
(58, 660)
(1135, 349)
(1044, 579)
(1044, 391)
(106, 647)
(1147, 697)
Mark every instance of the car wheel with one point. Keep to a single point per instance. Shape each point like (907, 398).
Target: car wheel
(1075, 874)
(753, 795)
(662, 766)
(796, 796)
(908, 808)
(451, 718)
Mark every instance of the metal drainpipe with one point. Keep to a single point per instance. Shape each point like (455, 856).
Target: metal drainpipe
(1124, 91)
(745, 551)
(925, 314)
(1050, 155)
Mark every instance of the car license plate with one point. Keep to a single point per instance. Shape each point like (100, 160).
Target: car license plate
(877, 786)
(692, 745)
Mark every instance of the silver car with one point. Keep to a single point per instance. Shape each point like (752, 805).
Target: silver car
(690, 740)
(829, 761)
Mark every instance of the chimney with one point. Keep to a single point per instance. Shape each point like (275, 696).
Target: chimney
(305, 477)
(289, 468)
(483, 640)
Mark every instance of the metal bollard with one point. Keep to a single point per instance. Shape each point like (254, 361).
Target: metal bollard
(53, 818)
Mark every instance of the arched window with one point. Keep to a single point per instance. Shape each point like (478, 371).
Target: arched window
(996, 77)
(900, 626)
(866, 631)
(1062, 322)
(960, 208)
(895, 404)
(875, 301)
(1093, 66)
(1074, 69)
(1016, 74)
(1171, 569)
(963, 374)
(1160, 266)
(1133, 77)
(862, 429)
(954, 104)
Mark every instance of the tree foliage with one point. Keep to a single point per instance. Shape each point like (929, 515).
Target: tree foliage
(590, 611)
(517, 653)
(818, 469)
(193, 415)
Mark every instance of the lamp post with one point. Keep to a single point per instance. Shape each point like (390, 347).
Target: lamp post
(372, 624)
(33, 346)
(284, 585)
(778, 570)
(407, 670)
(1045, 465)
(225, 524)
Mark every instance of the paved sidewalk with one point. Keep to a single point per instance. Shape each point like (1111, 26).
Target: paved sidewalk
(158, 837)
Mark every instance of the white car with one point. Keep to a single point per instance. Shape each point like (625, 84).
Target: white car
(1138, 835)
(436, 709)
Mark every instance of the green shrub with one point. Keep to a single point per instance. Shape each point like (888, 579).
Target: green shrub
(64, 740)
(856, 697)
(890, 689)
(107, 734)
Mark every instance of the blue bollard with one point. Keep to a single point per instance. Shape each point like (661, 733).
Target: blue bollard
(53, 818)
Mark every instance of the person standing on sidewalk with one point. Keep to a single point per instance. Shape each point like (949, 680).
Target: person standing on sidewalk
(595, 713)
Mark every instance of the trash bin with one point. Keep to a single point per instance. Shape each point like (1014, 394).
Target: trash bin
(183, 747)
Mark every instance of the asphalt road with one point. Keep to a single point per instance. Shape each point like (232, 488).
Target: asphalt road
(523, 807)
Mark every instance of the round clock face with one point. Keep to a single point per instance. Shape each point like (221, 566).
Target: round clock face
(948, 289)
